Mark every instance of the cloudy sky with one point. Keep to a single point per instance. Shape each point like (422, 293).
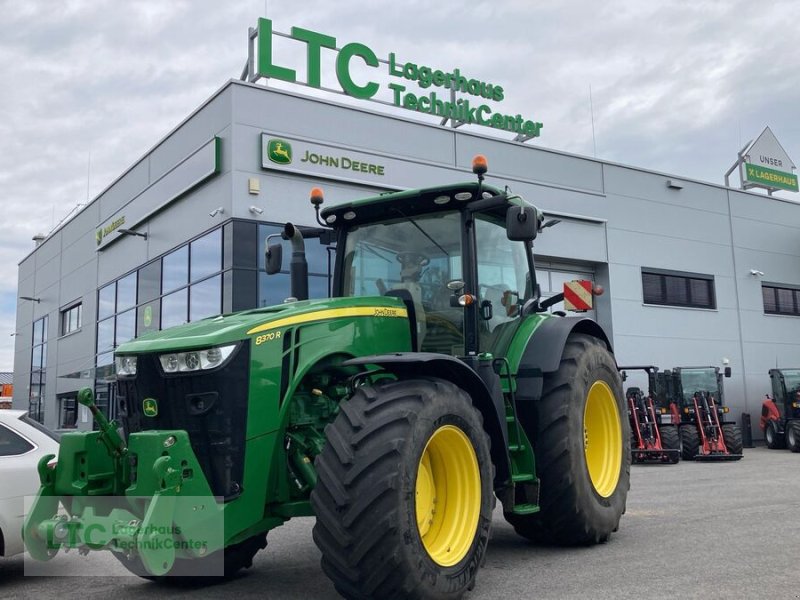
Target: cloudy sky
(88, 86)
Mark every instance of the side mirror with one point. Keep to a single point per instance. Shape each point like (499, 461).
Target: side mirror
(273, 258)
(727, 371)
(522, 223)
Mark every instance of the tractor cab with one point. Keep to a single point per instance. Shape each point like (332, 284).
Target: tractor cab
(691, 382)
(786, 391)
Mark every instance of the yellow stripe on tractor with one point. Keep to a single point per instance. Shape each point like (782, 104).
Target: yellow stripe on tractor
(333, 313)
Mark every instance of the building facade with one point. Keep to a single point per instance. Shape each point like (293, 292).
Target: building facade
(694, 273)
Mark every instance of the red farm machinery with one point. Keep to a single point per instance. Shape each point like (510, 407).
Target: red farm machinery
(780, 415)
(652, 439)
(695, 398)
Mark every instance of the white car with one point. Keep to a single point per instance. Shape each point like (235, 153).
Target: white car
(23, 442)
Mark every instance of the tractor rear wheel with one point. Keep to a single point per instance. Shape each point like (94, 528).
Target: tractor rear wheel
(404, 493)
(733, 438)
(793, 436)
(582, 448)
(671, 440)
(775, 441)
(690, 441)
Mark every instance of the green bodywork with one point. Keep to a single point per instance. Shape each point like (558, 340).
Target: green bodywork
(297, 384)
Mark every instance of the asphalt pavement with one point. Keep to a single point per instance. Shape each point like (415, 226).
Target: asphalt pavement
(692, 530)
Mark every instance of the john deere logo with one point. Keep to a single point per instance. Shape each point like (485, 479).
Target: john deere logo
(280, 152)
(150, 407)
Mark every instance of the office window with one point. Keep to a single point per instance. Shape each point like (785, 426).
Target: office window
(126, 292)
(673, 288)
(67, 412)
(150, 282)
(106, 301)
(174, 309)
(71, 319)
(38, 370)
(175, 271)
(205, 298)
(206, 255)
(779, 300)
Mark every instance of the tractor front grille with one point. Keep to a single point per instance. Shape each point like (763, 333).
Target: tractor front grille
(211, 406)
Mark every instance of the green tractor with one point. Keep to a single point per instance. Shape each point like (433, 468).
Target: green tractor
(433, 381)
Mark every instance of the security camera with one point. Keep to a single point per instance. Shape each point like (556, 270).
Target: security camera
(756, 273)
(216, 211)
(256, 210)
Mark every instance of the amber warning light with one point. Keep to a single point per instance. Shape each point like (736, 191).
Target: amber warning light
(479, 164)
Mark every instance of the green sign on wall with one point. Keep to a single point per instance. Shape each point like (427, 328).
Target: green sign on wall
(771, 177)
(452, 94)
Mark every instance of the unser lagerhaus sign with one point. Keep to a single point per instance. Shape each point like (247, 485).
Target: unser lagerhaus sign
(467, 105)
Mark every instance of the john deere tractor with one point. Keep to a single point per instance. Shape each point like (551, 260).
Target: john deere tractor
(780, 415)
(433, 381)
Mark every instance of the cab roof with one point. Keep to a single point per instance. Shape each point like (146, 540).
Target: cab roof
(407, 202)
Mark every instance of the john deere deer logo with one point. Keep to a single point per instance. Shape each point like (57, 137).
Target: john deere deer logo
(150, 407)
(280, 152)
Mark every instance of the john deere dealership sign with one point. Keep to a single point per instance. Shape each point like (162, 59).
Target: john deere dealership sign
(767, 165)
(447, 93)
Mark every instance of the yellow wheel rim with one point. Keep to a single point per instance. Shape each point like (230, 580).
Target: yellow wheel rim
(602, 438)
(448, 495)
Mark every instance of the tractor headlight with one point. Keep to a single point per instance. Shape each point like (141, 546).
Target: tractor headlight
(196, 360)
(125, 366)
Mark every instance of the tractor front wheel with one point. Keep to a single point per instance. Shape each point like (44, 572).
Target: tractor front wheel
(774, 440)
(690, 442)
(404, 493)
(671, 440)
(733, 438)
(793, 436)
(582, 448)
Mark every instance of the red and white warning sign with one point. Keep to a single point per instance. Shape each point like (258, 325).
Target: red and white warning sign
(578, 295)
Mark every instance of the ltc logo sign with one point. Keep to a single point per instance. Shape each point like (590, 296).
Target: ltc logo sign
(279, 151)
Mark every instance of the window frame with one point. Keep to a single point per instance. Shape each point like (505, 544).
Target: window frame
(688, 277)
(787, 287)
(64, 317)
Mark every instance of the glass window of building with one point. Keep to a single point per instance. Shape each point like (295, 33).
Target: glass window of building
(149, 282)
(175, 270)
(126, 327)
(781, 300)
(206, 255)
(71, 319)
(174, 309)
(106, 301)
(67, 411)
(105, 335)
(205, 298)
(38, 370)
(672, 288)
(126, 292)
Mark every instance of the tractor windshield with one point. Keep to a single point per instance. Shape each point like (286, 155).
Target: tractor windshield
(699, 380)
(416, 256)
(792, 379)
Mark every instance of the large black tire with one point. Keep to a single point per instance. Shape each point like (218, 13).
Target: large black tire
(774, 440)
(374, 487)
(671, 440)
(572, 510)
(193, 573)
(793, 436)
(690, 441)
(733, 438)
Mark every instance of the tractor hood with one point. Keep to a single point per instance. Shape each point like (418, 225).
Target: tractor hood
(234, 327)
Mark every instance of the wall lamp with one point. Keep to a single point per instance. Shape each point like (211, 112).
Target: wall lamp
(256, 210)
(31, 298)
(756, 273)
(133, 233)
(217, 211)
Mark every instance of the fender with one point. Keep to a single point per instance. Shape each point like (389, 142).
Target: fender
(491, 405)
(770, 412)
(543, 352)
